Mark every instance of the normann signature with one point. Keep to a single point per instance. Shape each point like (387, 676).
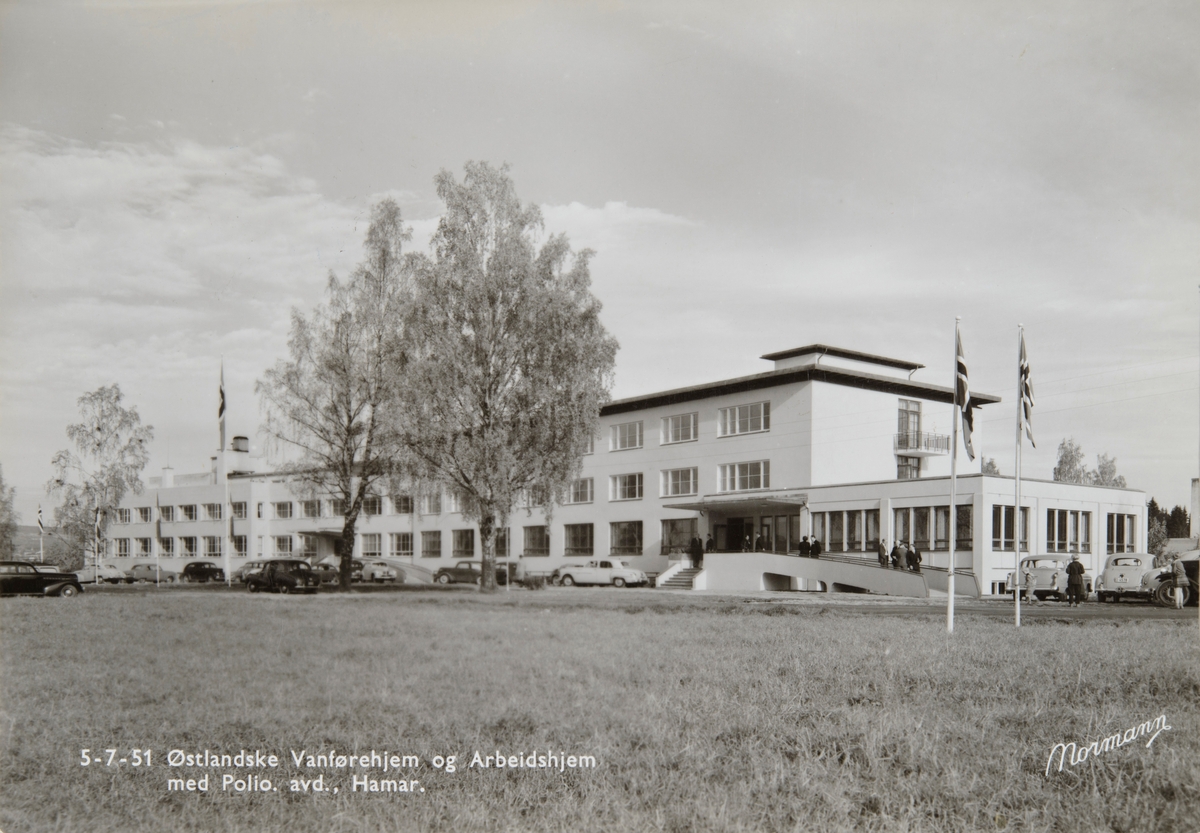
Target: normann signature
(1069, 752)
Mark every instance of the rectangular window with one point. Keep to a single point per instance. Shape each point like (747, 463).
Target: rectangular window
(1085, 531)
(1003, 529)
(854, 535)
(909, 423)
(837, 533)
(941, 528)
(310, 509)
(590, 446)
(578, 540)
(259, 510)
(283, 509)
(431, 544)
(740, 477)
(537, 541)
(580, 491)
(679, 482)
(187, 547)
(818, 526)
(145, 514)
(123, 547)
(212, 511)
(677, 535)
(431, 504)
(921, 528)
(239, 511)
(679, 429)
(908, 468)
(239, 545)
(964, 532)
(166, 547)
(454, 502)
(1056, 530)
(166, 513)
(282, 544)
(189, 512)
(212, 545)
(626, 537)
(625, 487)
(337, 508)
(464, 543)
(501, 543)
(145, 547)
(402, 544)
(372, 505)
(902, 527)
(308, 546)
(259, 551)
(123, 516)
(1121, 537)
(628, 435)
(744, 419)
(372, 545)
(402, 504)
(872, 533)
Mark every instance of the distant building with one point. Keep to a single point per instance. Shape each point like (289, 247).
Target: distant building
(831, 443)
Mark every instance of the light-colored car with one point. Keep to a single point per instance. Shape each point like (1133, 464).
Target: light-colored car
(107, 573)
(246, 570)
(1124, 577)
(378, 571)
(1049, 577)
(612, 571)
(152, 574)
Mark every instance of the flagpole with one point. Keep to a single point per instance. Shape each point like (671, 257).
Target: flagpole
(41, 534)
(1017, 508)
(953, 530)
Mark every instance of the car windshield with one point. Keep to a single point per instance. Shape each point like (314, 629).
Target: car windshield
(1127, 562)
(1044, 564)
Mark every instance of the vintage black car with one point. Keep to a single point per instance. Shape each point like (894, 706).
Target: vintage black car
(18, 578)
(284, 575)
(202, 571)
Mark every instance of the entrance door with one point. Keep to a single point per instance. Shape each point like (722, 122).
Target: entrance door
(736, 532)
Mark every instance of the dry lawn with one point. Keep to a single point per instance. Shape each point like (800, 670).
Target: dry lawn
(709, 714)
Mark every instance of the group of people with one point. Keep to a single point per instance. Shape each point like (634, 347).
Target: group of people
(902, 557)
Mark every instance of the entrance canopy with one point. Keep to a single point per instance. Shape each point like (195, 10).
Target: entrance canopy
(754, 503)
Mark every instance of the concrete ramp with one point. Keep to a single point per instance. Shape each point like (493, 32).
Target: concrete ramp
(751, 571)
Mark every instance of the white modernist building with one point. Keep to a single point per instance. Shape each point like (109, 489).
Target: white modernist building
(843, 446)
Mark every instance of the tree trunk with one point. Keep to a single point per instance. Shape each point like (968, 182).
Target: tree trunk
(487, 542)
(345, 552)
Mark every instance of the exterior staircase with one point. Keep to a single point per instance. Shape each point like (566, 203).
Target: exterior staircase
(682, 580)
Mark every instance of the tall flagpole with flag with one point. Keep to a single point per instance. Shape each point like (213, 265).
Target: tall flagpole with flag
(962, 406)
(225, 475)
(41, 533)
(1024, 416)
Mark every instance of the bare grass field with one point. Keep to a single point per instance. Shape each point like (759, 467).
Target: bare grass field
(701, 714)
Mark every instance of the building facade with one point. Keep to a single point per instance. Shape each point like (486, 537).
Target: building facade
(830, 443)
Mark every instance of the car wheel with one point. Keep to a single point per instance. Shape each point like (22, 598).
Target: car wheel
(567, 581)
(443, 579)
(618, 582)
(251, 587)
(69, 591)
(284, 589)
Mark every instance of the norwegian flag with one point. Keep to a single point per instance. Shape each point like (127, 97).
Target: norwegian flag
(962, 395)
(1026, 389)
(41, 526)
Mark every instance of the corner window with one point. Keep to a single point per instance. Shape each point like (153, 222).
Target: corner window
(744, 419)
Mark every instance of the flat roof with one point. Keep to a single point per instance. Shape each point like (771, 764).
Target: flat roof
(775, 378)
(826, 350)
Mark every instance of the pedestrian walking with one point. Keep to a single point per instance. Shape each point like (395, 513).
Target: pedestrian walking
(1075, 582)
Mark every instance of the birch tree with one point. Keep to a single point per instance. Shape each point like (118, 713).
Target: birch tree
(325, 404)
(508, 362)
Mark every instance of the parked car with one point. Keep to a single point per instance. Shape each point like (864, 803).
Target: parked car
(246, 570)
(19, 578)
(147, 573)
(327, 573)
(1049, 577)
(1124, 578)
(284, 575)
(202, 571)
(378, 571)
(461, 572)
(1161, 586)
(106, 573)
(612, 571)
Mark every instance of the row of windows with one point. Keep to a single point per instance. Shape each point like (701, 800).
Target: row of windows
(284, 510)
(682, 428)
(733, 477)
(188, 546)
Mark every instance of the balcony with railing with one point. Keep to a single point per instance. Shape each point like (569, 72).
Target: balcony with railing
(921, 444)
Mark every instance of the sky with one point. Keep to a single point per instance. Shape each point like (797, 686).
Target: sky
(176, 177)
